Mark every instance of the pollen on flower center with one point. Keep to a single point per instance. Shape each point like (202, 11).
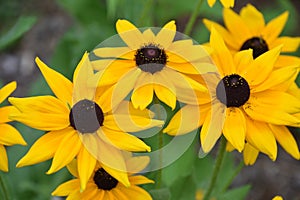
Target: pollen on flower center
(233, 91)
(258, 45)
(86, 116)
(104, 180)
(150, 58)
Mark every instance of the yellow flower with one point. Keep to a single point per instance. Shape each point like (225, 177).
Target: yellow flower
(225, 3)
(248, 30)
(246, 102)
(277, 198)
(8, 135)
(80, 123)
(152, 64)
(102, 185)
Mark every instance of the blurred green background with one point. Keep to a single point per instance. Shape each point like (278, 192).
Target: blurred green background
(60, 31)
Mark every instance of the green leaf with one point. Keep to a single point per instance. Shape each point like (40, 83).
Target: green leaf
(237, 193)
(183, 188)
(23, 25)
(160, 194)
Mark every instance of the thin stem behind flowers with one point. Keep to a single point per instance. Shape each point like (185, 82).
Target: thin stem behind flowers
(216, 170)
(6, 195)
(192, 19)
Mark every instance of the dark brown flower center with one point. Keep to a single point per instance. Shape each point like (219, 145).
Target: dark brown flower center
(233, 91)
(258, 45)
(86, 116)
(150, 58)
(104, 180)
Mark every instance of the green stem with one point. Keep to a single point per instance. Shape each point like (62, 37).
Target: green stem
(216, 169)
(192, 19)
(145, 12)
(160, 145)
(4, 189)
(236, 172)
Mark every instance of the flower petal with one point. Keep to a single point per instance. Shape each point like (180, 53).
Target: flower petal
(290, 44)
(261, 67)
(166, 35)
(10, 136)
(124, 141)
(253, 18)
(165, 95)
(250, 154)
(111, 52)
(286, 140)
(5, 111)
(6, 90)
(211, 2)
(286, 60)
(261, 137)
(138, 180)
(275, 27)
(44, 148)
(234, 128)
(227, 3)
(66, 188)
(212, 127)
(3, 159)
(130, 34)
(41, 112)
(142, 96)
(68, 148)
(136, 193)
(86, 163)
(61, 86)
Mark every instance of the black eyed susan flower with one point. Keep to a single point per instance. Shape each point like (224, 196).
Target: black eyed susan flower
(8, 135)
(254, 33)
(80, 123)
(152, 64)
(102, 185)
(225, 3)
(246, 104)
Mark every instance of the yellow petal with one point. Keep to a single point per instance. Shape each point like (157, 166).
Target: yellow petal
(81, 88)
(250, 154)
(130, 34)
(273, 107)
(253, 18)
(142, 96)
(166, 35)
(149, 36)
(72, 168)
(61, 86)
(278, 78)
(188, 118)
(232, 20)
(290, 44)
(124, 141)
(138, 180)
(286, 60)
(111, 52)
(165, 95)
(66, 188)
(118, 194)
(242, 59)
(211, 2)
(261, 67)
(136, 164)
(221, 55)
(67, 150)
(5, 111)
(261, 137)
(229, 40)
(274, 27)
(277, 198)
(235, 128)
(10, 136)
(86, 163)
(41, 112)
(136, 193)
(227, 3)
(212, 127)
(6, 90)
(286, 140)
(44, 148)
(3, 159)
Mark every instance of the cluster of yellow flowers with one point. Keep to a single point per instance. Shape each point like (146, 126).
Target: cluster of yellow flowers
(238, 85)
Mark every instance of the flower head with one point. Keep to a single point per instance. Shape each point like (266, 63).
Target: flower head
(247, 103)
(103, 185)
(253, 33)
(8, 135)
(80, 123)
(152, 64)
